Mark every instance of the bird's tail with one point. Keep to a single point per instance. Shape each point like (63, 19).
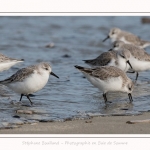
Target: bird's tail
(79, 67)
(91, 62)
(20, 60)
(88, 61)
(84, 70)
(145, 44)
(6, 81)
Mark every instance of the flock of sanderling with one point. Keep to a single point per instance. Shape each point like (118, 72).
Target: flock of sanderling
(107, 72)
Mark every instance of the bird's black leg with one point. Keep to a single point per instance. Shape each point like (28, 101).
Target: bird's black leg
(21, 97)
(137, 74)
(130, 97)
(105, 98)
(29, 99)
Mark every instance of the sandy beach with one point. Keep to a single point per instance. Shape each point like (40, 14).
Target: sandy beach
(95, 125)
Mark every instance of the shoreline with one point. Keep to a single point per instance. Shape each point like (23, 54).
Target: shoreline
(95, 125)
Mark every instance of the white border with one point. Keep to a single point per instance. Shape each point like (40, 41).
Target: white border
(88, 142)
(74, 6)
(97, 7)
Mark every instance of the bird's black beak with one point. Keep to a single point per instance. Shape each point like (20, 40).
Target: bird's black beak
(54, 74)
(110, 49)
(106, 38)
(129, 64)
(130, 97)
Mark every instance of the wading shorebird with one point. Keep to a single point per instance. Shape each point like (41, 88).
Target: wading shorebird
(108, 79)
(30, 79)
(139, 58)
(111, 58)
(7, 62)
(116, 34)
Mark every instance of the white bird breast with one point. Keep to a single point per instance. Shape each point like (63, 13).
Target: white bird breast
(7, 65)
(111, 84)
(31, 84)
(139, 65)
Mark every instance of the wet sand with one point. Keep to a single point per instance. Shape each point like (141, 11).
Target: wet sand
(95, 125)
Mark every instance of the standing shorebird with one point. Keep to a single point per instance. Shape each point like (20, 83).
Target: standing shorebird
(139, 58)
(117, 45)
(108, 79)
(111, 58)
(6, 62)
(29, 80)
(116, 34)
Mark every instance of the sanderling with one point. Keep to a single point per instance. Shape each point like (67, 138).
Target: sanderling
(6, 62)
(111, 58)
(127, 37)
(118, 45)
(29, 80)
(108, 79)
(139, 58)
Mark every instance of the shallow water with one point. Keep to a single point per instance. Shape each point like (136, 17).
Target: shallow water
(71, 96)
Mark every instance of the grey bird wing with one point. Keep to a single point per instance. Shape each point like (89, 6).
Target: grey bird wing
(20, 75)
(102, 73)
(5, 58)
(134, 39)
(137, 52)
(146, 57)
(102, 60)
